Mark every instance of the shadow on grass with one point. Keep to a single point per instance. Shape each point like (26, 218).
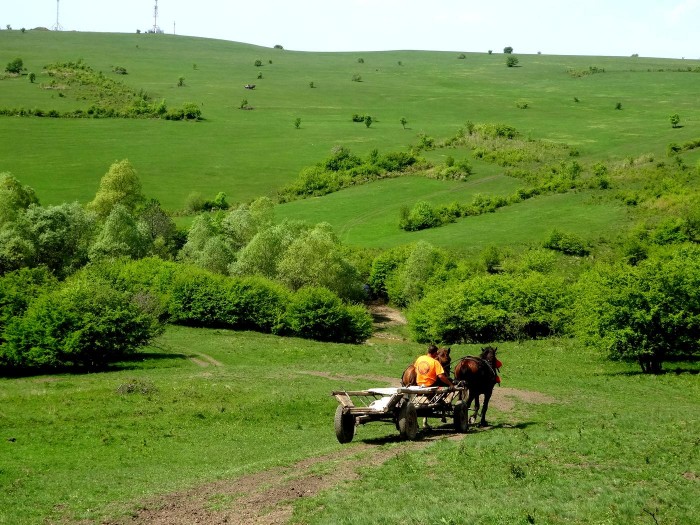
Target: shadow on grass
(445, 431)
(138, 360)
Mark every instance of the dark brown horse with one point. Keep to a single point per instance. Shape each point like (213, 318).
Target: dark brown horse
(480, 375)
(408, 378)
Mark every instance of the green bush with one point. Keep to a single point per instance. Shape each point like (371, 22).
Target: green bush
(83, 324)
(567, 243)
(19, 288)
(317, 313)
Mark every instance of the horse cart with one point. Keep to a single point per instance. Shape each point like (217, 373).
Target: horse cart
(401, 406)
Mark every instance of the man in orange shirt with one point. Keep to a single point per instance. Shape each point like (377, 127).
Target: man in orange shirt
(429, 371)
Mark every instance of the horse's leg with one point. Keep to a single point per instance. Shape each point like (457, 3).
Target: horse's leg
(487, 396)
(471, 398)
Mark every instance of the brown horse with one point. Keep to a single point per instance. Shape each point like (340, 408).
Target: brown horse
(480, 375)
(408, 378)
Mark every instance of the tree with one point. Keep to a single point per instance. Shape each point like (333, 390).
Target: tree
(508, 50)
(675, 120)
(14, 198)
(403, 122)
(120, 185)
(315, 258)
(15, 66)
(61, 236)
(648, 313)
(32, 77)
(121, 236)
(512, 61)
(297, 123)
(368, 121)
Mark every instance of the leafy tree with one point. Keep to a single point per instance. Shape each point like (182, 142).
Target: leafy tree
(512, 61)
(200, 232)
(413, 277)
(61, 236)
(403, 122)
(121, 236)
(297, 123)
(649, 313)
(508, 50)
(258, 63)
(262, 255)
(216, 255)
(160, 229)
(14, 198)
(32, 77)
(120, 185)
(15, 66)
(368, 121)
(315, 258)
(675, 120)
(180, 81)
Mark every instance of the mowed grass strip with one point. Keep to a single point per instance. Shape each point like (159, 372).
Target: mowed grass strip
(575, 438)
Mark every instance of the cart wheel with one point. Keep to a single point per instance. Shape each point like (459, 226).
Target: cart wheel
(461, 417)
(344, 425)
(408, 422)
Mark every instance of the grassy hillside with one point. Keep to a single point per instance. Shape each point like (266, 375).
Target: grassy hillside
(574, 438)
(252, 153)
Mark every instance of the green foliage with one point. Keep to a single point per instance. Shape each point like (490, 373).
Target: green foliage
(32, 77)
(60, 236)
(508, 50)
(84, 323)
(415, 275)
(258, 63)
(648, 313)
(14, 198)
(368, 121)
(120, 236)
(297, 122)
(317, 313)
(356, 77)
(566, 243)
(120, 185)
(15, 66)
(492, 308)
(403, 122)
(512, 61)
(675, 119)
(383, 266)
(420, 217)
(18, 289)
(315, 258)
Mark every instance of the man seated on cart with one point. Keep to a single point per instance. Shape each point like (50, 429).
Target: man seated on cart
(429, 371)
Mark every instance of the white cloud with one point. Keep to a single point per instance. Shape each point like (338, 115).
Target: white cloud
(682, 9)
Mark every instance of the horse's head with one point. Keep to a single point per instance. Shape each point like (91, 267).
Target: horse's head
(443, 355)
(488, 354)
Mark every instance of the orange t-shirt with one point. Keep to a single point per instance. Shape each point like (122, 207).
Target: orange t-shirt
(427, 370)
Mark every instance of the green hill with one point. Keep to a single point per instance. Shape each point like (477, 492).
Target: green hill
(252, 153)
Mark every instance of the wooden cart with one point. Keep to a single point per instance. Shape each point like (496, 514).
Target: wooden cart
(402, 406)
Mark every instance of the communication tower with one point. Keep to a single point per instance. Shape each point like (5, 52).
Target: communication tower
(156, 29)
(57, 26)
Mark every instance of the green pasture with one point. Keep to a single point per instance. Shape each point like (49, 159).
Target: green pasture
(252, 153)
(369, 215)
(591, 442)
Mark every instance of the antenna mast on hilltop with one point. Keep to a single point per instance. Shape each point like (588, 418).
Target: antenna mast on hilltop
(58, 26)
(156, 29)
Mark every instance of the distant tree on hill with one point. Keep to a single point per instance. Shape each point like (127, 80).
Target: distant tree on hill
(180, 81)
(675, 120)
(32, 77)
(508, 50)
(297, 123)
(368, 121)
(512, 61)
(15, 66)
(403, 122)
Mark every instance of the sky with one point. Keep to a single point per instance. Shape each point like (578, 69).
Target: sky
(652, 28)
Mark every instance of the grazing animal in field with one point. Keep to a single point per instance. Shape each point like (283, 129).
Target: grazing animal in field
(249, 86)
(480, 375)
(408, 378)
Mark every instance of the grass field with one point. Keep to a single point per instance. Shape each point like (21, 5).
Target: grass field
(575, 439)
(251, 153)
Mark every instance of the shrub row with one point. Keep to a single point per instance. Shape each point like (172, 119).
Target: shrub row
(344, 169)
(191, 296)
(491, 308)
(189, 111)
